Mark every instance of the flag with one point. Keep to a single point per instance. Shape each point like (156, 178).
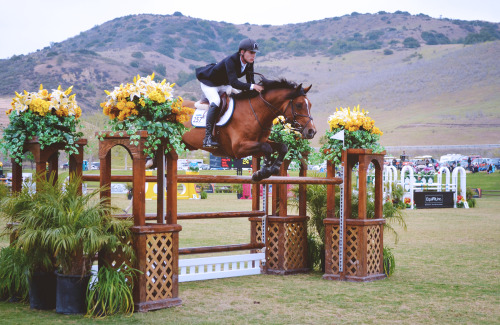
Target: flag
(338, 136)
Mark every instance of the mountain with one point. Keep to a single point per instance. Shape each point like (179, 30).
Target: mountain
(423, 80)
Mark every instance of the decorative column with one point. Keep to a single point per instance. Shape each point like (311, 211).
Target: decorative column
(286, 236)
(363, 238)
(156, 245)
(47, 155)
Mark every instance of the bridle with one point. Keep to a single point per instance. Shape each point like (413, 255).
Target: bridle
(296, 126)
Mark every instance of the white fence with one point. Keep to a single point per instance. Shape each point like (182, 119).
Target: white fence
(408, 182)
(206, 268)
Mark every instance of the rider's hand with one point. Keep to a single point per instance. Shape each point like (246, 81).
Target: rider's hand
(258, 88)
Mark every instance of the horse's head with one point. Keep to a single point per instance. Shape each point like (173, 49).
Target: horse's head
(291, 101)
(300, 109)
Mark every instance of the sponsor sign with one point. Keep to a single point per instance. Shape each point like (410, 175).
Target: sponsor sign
(426, 200)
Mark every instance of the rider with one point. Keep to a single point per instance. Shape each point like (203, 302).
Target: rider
(219, 76)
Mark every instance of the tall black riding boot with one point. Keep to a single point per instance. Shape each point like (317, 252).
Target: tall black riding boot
(213, 112)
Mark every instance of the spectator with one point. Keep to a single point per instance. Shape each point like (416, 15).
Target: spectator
(490, 169)
(469, 163)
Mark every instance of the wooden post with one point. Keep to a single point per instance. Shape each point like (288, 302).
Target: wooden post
(156, 245)
(160, 185)
(171, 217)
(363, 238)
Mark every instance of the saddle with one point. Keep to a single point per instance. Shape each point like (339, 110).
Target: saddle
(204, 104)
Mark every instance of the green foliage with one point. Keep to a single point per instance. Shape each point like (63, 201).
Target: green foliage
(75, 227)
(315, 252)
(203, 195)
(156, 119)
(185, 77)
(389, 261)
(411, 43)
(112, 293)
(471, 201)
(88, 52)
(4, 190)
(487, 33)
(434, 38)
(282, 132)
(332, 150)
(197, 55)
(353, 44)
(14, 270)
(160, 69)
(50, 129)
(374, 34)
(138, 55)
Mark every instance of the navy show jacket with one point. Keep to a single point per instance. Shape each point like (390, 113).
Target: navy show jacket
(226, 72)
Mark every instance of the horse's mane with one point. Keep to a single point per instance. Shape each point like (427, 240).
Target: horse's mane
(270, 85)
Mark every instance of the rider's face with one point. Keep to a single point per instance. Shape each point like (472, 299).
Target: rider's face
(248, 56)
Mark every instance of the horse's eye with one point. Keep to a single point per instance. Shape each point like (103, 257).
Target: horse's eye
(299, 105)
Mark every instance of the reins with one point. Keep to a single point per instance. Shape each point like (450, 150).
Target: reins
(277, 113)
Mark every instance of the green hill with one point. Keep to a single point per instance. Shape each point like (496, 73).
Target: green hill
(424, 80)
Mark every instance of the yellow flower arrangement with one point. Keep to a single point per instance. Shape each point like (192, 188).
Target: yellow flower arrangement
(148, 105)
(345, 119)
(42, 103)
(359, 132)
(52, 117)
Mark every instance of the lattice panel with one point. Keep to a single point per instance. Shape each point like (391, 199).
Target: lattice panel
(117, 258)
(334, 233)
(351, 251)
(272, 238)
(373, 250)
(295, 245)
(159, 270)
(258, 232)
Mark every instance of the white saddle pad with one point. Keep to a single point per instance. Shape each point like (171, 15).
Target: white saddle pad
(199, 119)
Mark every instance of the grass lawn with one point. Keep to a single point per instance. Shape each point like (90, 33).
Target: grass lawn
(447, 271)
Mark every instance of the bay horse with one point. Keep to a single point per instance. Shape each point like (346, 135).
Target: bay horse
(248, 130)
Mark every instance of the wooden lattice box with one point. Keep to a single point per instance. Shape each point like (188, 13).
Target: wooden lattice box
(363, 250)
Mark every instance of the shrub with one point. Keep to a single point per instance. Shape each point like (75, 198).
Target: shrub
(138, 55)
(389, 262)
(388, 52)
(411, 43)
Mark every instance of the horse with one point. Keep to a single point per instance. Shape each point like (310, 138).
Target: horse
(248, 130)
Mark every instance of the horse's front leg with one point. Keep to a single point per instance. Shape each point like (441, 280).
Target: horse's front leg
(266, 168)
(282, 149)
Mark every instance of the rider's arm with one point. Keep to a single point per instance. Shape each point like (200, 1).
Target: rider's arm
(233, 78)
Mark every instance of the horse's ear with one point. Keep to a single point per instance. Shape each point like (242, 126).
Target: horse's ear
(307, 89)
(298, 90)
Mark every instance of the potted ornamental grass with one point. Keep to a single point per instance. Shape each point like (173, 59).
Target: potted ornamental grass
(73, 227)
(50, 117)
(38, 261)
(147, 105)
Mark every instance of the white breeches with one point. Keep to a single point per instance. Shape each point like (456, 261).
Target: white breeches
(212, 93)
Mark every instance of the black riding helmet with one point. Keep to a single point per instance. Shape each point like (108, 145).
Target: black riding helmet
(249, 44)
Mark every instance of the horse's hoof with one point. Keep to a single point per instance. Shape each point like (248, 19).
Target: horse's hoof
(256, 177)
(275, 170)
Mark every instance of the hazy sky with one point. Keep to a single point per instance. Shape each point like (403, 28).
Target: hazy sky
(28, 25)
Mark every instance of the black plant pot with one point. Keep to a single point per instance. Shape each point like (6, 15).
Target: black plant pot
(43, 290)
(71, 295)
